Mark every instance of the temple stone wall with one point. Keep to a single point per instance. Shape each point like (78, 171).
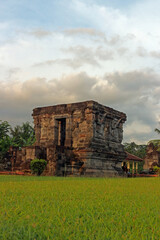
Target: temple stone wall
(78, 139)
(152, 157)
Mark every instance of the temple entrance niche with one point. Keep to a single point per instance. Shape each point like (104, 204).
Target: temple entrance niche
(61, 131)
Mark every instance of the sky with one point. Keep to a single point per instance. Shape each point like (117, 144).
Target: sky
(59, 51)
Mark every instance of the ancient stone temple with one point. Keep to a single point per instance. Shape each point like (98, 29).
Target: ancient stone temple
(152, 157)
(76, 139)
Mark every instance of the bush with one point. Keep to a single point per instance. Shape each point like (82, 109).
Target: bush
(38, 166)
(156, 169)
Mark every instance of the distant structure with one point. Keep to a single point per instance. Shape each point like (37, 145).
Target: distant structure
(76, 139)
(152, 157)
(131, 162)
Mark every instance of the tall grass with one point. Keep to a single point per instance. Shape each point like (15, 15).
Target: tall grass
(79, 208)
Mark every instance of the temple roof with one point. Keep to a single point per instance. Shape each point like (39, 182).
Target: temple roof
(68, 108)
(131, 157)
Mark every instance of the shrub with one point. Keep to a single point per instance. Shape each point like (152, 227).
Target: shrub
(38, 166)
(156, 169)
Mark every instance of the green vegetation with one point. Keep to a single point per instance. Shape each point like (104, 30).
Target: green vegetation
(38, 166)
(137, 150)
(79, 208)
(156, 169)
(22, 136)
(156, 143)
(19, 136)
(5, 139)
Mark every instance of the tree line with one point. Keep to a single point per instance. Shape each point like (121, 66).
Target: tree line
(23, 135)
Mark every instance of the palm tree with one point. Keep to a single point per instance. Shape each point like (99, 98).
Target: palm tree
(157, 130)
(22, 135)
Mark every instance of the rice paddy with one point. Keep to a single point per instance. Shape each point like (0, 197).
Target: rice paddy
(79, 208)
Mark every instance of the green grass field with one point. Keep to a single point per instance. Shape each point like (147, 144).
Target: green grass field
(79, 208)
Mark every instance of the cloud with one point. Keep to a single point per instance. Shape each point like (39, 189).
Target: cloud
(122, 51)
(90, 55)
(104, 54)
(83, 54)
(79, 56)
(137, 127)
(84, 31)
(40, 33)
(142, 52)
(140, 104)
(138, 81)
(96, 52)
(73, 63)
(155, 54)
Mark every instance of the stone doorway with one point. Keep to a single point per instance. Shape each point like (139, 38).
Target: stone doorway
(61, 131)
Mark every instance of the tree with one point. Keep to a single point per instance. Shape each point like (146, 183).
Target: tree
(19, 136)
(5, 139)
(4, 129)
(22, 136)
(157, 130)
(38, 166)
(137, 150)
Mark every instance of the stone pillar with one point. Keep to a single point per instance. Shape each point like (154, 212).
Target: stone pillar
(128, 165)
(72, 167)
(59, 133)
(136, 167)
(133, 167)
(68, 140)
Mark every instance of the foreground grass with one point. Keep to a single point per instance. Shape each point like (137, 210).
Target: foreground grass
(79, 208)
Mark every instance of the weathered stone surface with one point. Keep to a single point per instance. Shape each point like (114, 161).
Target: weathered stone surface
(78, 139)
(152, 157)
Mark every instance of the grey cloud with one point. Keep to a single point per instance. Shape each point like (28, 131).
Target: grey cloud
(122, 51)
(114, 40)
(84, 31)
(135, 80)
(40, 33)
(99, 36)
(155, 54)
(90, 55)
(84, 54)
(104, 54)
(46, 63)
(12, 72)
(17, 99)
(138, 100)
(74, 63)
(142, 52)
(130, 36)
(80, 56)
(117, 39)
